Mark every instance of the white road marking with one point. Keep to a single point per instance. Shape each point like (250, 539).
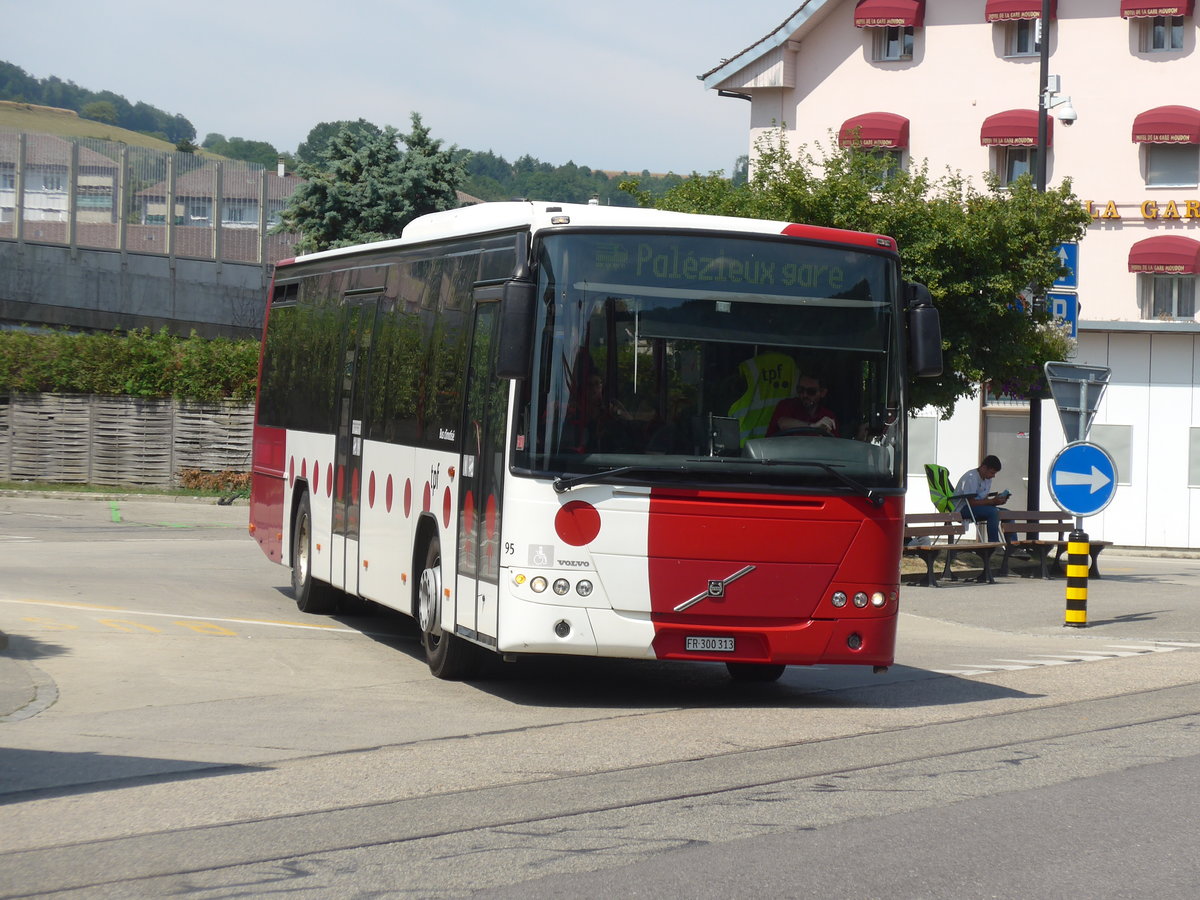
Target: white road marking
(1041, 660)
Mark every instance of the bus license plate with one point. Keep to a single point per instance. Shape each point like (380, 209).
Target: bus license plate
(709, 644)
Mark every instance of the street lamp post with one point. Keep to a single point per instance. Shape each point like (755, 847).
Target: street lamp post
(1048, 99)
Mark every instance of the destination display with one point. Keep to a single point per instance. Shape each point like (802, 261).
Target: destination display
(766, 266)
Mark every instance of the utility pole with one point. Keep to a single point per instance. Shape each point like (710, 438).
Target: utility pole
(1034, 481)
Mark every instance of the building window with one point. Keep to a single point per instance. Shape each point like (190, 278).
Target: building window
(1014, 162)
(1161, 33)
(893, 43)
(1172, 165)
(198, 209)
(94, 197)
(1168, 296)
(1118, 441)
(892, 159)
(1193, 457)
(1023, 38)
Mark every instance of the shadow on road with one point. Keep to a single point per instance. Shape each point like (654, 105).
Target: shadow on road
(635, 684)
(590, 683)
(23, 647)
(39, 774)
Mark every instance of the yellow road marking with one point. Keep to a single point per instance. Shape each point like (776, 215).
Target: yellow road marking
(138, 612)
(124, 625)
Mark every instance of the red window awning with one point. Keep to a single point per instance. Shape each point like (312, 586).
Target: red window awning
(885, 13)
(1167, 125)
(1014, 128)
(1007, 10)
(1142, 9)
(876, 129)
(1168, 254)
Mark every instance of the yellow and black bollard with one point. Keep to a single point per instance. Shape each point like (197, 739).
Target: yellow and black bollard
(1078, 557)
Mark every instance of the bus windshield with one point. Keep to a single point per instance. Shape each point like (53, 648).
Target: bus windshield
(691, 358)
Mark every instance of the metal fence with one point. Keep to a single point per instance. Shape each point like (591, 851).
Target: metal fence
(126, 441)
(84, 192)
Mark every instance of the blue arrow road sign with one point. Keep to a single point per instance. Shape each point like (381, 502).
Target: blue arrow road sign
(1068, 256)
(1083, 479)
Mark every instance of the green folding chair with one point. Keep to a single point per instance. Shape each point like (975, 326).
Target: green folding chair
(941, 492)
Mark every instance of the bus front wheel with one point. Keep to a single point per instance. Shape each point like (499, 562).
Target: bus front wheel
(312, 596)
(449, 656)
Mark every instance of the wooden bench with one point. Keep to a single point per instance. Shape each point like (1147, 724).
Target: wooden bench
(922, 533)
(1016, 524)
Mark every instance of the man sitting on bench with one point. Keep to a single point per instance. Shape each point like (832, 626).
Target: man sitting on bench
(982, 502)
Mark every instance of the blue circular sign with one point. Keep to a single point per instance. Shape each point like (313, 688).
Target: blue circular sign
(1083, 479)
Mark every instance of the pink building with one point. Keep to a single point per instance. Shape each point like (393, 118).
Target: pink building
(956, 82)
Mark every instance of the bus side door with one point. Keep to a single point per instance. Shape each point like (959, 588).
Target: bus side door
(481, 478)
(358, 326)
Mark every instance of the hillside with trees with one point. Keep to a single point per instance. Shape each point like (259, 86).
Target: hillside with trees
(485, 175)
(100, 106)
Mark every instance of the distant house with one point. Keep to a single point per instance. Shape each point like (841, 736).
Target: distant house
(47, 181)
(240, 189)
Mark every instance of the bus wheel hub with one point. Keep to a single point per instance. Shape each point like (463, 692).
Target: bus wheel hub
(429, 606)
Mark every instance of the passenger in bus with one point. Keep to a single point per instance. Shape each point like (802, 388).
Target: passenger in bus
(600, 424)
(674, 433)
(767, 378)
(805, 411)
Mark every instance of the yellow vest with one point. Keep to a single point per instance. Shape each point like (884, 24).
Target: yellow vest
(770, 377)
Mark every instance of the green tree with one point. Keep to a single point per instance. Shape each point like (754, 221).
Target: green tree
(976, 249)
(366, 189)
(99, 111)
(259, 152)
(430, 176)
(313, 148)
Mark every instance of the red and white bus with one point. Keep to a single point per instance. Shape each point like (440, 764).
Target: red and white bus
(543, 428)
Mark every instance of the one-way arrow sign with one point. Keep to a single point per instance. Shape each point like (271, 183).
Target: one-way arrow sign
(1083, 479)
(1094, 479)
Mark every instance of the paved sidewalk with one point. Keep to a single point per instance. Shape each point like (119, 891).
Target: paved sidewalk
(1138, 597)
(17, 689)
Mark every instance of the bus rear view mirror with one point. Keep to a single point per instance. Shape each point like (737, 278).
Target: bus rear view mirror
(517, 307)
(924, 333)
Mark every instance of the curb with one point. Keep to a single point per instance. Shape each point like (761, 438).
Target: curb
(121, 495)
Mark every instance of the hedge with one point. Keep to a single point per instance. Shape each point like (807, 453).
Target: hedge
(134, 363)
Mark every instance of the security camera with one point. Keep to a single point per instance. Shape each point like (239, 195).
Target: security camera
(1066, 113)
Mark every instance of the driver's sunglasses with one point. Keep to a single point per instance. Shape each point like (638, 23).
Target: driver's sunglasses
(809, 391)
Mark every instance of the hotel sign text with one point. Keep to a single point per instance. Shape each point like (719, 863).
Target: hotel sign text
(1150, 209)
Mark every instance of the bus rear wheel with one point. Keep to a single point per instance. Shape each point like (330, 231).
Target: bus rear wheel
(754, 672)
(312, 596)
(449, 656)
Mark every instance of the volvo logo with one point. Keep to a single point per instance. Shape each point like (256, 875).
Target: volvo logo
(716, 588)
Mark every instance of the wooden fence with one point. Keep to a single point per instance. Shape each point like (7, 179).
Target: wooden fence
(91, 439)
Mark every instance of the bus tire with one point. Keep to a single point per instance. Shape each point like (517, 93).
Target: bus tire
(449, 656)
(754, 672)
(312, 596)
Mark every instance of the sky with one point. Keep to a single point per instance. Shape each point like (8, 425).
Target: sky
(609, 84)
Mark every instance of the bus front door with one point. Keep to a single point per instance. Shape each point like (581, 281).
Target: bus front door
(359, 321)
(482, 478)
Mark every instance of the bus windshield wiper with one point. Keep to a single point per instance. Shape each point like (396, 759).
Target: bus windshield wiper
(856, 486)
(562, 485)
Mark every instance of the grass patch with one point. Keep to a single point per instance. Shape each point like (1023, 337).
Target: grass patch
(67, 123)
(102, 490)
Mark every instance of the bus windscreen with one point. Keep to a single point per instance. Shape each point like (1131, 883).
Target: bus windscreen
(668, 355)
